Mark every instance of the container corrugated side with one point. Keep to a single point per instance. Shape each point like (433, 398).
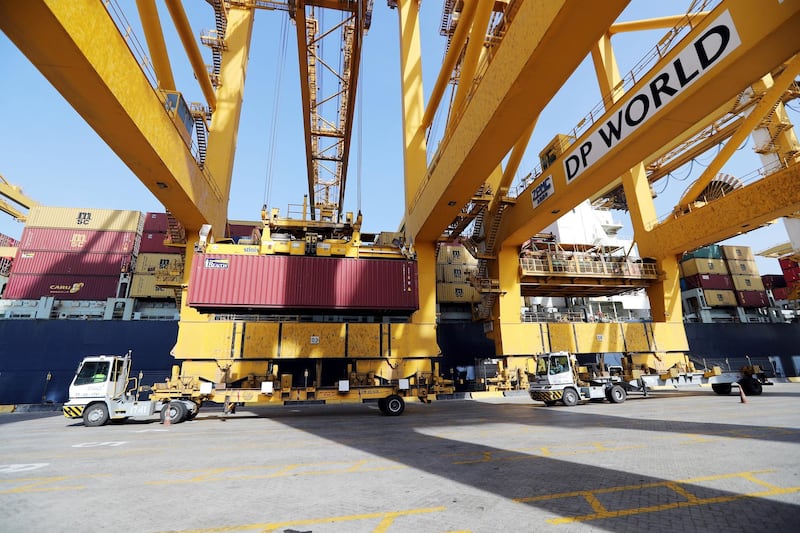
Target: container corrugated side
(715, 298)
(787, 264)
(694, 266)
(712, 251)
(743, 267)
(153, 243)
(454, 273)
(709, 281)
(90, 264)
(144, 286)
(150, 263)
(752, 298)
(747, 282)
(773, 281)
(84, 218)
(300, 282)
(61, 287)
(71, 240)
(156, 223)
(5, 240)
(456, 293)
(737, 253)
(242, 229)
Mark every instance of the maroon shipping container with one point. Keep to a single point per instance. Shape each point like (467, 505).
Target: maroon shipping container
(773, 281)
(37, 262)
(35, 286)
(300, 282)
(153, 243)
(780, 293)
(720, 282)
(156, 223)
(752, 298)
(5, 240)
(787, 264)
(790, 275)
(70, 240)
(242, 230)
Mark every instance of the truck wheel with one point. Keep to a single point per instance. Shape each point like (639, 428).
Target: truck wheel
(382, 405)
(751, 386)
(192, 408)
(176, 411)
(570, 397)
(394, 405)
(617, 394)
(721, 388)
(95, 415)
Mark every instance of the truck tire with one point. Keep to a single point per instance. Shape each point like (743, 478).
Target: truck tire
(192, 408)
(176, 411)
(721, 388)
(95, 415)
(570, 398)
(617, 394)
(751, 386)
(393, 405)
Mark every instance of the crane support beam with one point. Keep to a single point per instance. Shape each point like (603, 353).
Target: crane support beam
(79, 49)
(189, 41)
(729, 49)
(154, 35)
(739, 211)
(544, 44)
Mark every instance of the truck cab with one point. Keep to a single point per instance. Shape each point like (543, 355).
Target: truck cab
(556, 380)
(102, 390)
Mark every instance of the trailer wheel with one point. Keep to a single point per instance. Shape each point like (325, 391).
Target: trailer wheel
(570, 397)
(95, 415)
(751, 386)
(192, 408)
(721, 388)
(617, 394)
(394, 405)
(176, 412)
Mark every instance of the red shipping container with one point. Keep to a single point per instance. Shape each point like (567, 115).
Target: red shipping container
(70, 240)
(5, 240)
(156, 223)
(153, 243)
(301, 282)
(791, 275)
(242, 230)
(787, 264)
(37, 262)
(752, 298)
(709, 281)
(773, 281)
(780, 293)
(34, 286)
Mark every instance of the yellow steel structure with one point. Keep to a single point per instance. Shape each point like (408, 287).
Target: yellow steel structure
(507, 74)
(19, 202)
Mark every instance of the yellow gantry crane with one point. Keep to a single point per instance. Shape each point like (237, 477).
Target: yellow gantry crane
(17, 202)
(507, 58)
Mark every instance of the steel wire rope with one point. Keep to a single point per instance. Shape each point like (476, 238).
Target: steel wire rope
(275, 111)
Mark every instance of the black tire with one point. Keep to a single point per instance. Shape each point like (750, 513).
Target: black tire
(382, 405)
(617, 394)
(394, 405)
(722, 389)
(570, 398)
(176, 411)
(751, 386)
(95, 415)
(549, 403)
(192, 408)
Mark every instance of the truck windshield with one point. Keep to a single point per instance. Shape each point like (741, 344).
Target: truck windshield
(92, 372)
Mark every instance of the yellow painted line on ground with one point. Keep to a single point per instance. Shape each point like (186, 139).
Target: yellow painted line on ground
(691, 500)
(37, 484)
(386, 521)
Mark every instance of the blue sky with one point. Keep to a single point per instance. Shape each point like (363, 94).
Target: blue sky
(47, 149)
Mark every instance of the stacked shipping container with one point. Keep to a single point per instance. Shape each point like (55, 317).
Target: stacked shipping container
(153, 255)
(74, 254)
(454, 264)
(5, 262)
(728, 276)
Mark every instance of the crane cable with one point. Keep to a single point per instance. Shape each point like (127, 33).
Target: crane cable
(360, 105)
(275, 110)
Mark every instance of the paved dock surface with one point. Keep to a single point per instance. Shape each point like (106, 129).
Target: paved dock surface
(686, 462)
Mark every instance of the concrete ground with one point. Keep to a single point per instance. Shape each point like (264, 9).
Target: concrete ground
(669, 462)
